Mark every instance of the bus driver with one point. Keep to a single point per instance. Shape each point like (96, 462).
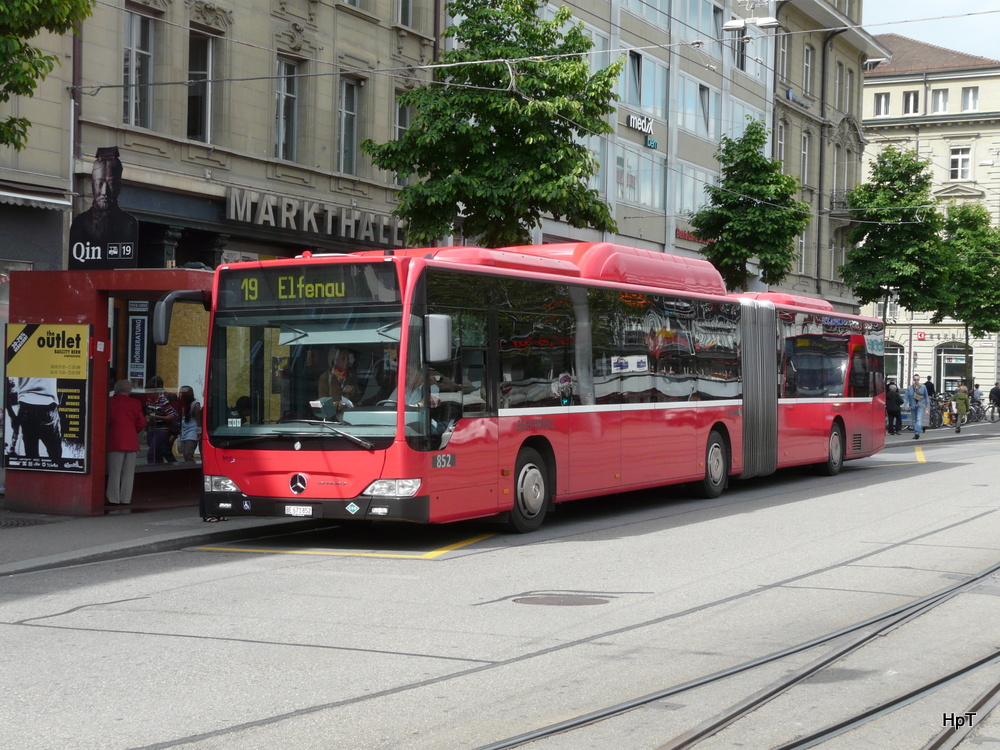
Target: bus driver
(340, 382)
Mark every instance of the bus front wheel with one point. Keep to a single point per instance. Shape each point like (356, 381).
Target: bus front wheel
(716, 467)
(531, 492)
(835, 455)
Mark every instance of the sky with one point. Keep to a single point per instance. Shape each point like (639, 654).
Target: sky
(971, 26)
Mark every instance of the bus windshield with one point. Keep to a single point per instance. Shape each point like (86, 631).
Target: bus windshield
(301, 354)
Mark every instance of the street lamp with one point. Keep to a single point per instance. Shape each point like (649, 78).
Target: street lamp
(740, 24)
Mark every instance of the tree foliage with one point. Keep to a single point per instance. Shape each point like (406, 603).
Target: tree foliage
(753, 212)
(898, 249)
(23, 66)
(971, 291)
(498, 141)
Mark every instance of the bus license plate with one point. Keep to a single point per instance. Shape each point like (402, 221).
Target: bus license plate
(298, 510)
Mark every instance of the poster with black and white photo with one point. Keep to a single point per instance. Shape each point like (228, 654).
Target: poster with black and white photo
(45, 424)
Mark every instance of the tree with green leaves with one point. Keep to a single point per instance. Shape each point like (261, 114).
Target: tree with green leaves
(898, 249)
(23, 66)
(497, 141)
(972, 291)
(753, 212)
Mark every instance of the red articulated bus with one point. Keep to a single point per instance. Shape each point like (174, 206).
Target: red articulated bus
(432, 385)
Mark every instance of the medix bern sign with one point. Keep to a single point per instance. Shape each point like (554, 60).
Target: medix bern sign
(104, 236)
(297, 214)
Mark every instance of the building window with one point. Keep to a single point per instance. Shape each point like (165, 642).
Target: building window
(690, 188)
(911, 102)
(286, 110)
(970, 99)
(783, 55)
(894, 359)
(347, 132)
(849, 93)
(138, 70)
(882, 105)
(808, 54)
(804, 164)
(404, 116)
(201, 64)
(961, 162)
(633, 79)
(700, 109)
(639, 178)
(779, 141)
(939, 100)
(800, 252)
(838, 87)
(739, 41)
(700, 20)
(405, 8)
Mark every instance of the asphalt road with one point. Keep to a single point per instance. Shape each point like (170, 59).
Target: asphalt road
(462, 636)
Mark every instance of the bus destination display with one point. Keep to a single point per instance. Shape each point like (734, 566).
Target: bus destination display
(288, 286)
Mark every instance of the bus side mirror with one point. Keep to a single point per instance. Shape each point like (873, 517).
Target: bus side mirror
(437, 338)
(165, 307)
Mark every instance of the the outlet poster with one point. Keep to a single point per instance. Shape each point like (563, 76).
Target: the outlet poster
(45, 405)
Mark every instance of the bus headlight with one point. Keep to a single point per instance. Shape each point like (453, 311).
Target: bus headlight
(393, 488)
(220, 484)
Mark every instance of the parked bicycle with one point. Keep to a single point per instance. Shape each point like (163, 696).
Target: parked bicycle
(993, 413)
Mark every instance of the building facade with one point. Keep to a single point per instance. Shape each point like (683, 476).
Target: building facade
(819, 64)
(945, 106)
(238, 123)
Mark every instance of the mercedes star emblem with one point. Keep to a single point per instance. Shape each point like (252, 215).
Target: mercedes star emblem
(298, 484)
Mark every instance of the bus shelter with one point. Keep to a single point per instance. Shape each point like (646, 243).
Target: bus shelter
(78, 331)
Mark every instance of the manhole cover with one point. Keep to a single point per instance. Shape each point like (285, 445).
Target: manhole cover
(562, 600)
(13, 523)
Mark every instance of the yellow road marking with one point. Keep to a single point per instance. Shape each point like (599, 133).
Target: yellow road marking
(426, 556)
(920, 454)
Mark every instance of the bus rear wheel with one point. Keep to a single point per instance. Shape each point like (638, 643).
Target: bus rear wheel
(835, 455)
(716, 467)
(531, 492)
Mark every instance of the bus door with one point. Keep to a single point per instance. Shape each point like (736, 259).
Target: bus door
(463, 442)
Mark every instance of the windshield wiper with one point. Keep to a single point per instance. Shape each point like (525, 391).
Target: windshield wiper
(353, 438)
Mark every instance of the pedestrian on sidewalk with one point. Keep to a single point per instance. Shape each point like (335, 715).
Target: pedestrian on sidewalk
(125, 422)
(190, 422)
(894, 409)
(961, 402)
(918, 402)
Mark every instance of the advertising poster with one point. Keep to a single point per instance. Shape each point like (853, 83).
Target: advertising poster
(45, 424)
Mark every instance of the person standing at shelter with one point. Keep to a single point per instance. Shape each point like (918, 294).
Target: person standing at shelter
(894, 409)
(160, 415)
(125, 422)
(190, 422)
(918, 402)
(995, 394)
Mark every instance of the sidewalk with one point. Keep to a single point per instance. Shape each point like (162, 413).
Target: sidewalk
(32, 541)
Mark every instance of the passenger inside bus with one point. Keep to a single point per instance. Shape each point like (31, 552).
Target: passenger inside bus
(340, 381)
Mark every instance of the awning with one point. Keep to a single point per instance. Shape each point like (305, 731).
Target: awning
(35, 200)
